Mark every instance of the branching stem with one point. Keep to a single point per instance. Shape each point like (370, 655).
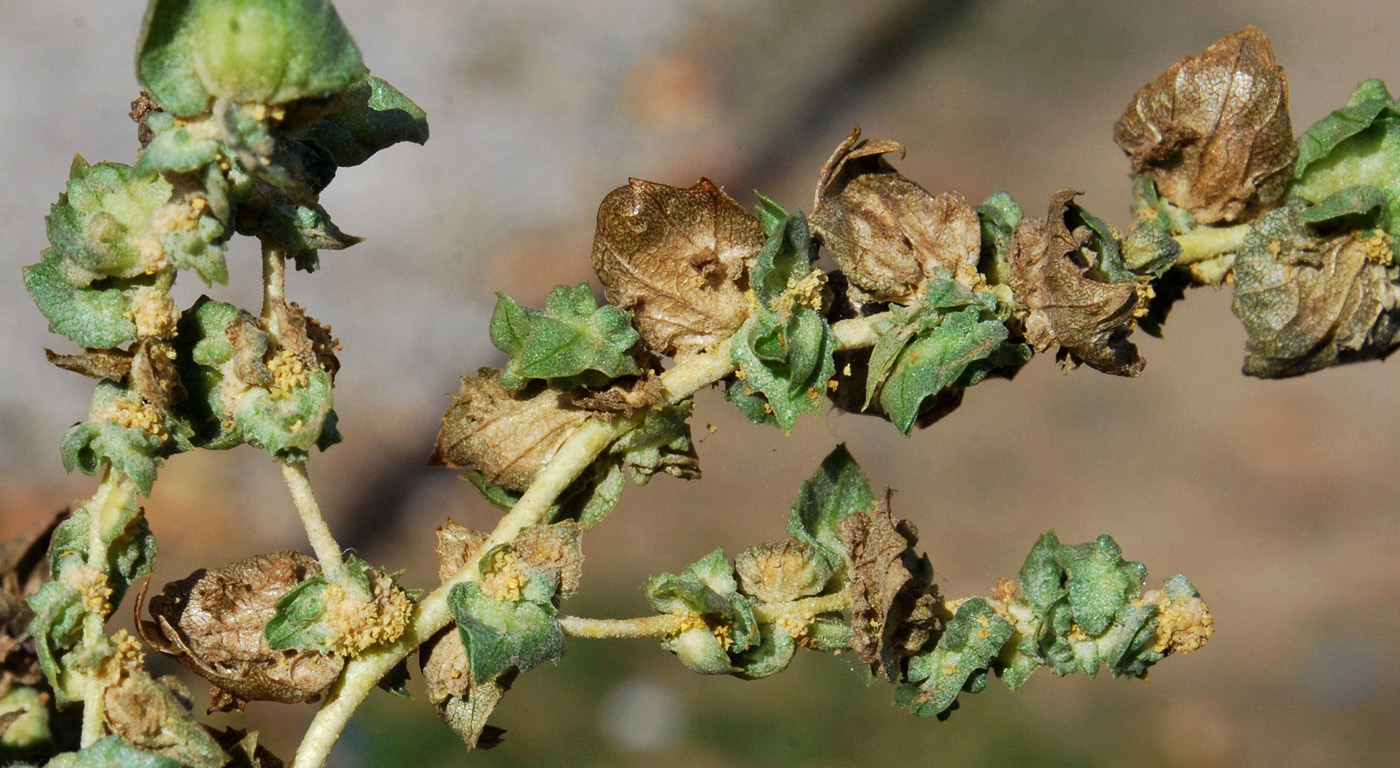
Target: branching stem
(322, 542)
(577, 453)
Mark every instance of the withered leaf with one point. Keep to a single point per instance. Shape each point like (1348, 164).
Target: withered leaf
(887, 234)
(557, 547)
(678, 259)
(153, 374)
(1310, 301)
(111, 364)
(891, 589)
(507, 436)
(213, 622)
(625, 396)
(457, 544)
(1213, 131)
(151, 717)
(23, 569)
(1090, 320)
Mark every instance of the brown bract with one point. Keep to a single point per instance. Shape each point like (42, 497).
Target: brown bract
(507, 436)
(23, 569)
(153, 716)
(213, 621)
(887, 233)
(1213, 131)
(1311, 303)
(891, 589)
(1090, 320)
(558, 547)
(678, 259)
(625, 396)
(110, 364)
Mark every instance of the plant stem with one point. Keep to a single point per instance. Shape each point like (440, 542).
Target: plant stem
(274, 284)
(1209, 242)
(660, 625)
(322, 542)
(663, 624)
(106, 504)
(363, 672)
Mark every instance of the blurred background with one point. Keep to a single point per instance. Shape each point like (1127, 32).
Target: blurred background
(1276, 498)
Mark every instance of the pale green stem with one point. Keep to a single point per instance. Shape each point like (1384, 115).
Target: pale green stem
(660, 625)
(1209, 242)
(274, 284)
(363, 672)
(769, 613)
(322, 542)
(663, 624)
(103, 509)
(858, 332)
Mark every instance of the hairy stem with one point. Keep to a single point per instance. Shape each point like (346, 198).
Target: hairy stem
(659, 625)
(769, 613)
(1209, 242)
(105, 506)
(322, 542)
(577, 453)
(274, 284)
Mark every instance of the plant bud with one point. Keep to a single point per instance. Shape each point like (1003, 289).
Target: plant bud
(782, 571)
(678, 259)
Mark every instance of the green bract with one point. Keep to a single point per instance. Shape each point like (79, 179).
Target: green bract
(1355, 146)
(103, 224)
(573, 341)
(838, 488)
(707, 590)
(372, 115)
(112, 752)
(501, 634)
(785, 349)
(953, 337)
(957, 663)
(254, 51)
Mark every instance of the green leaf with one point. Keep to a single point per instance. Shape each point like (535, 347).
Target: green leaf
(372, 115)
(255, 51)
(499, 634)
(1361, 206)
(661, 444)
(57, 628)
(572, 341)
(1356, 146)
(96, 317)
(100, 221)
(303, 230)
(770, 215)
(769, 656)
(299, 620)
(957, 663)
(1099, 580)
(395, 682)
(131, 451)
(111, 752)
(998, 216)
(173, 148)
(934, 360)
(788, 359)
(924, 350)
(838, 488)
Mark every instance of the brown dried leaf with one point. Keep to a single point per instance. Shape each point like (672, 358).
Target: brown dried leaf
(1213, 131)
(1090, 320)
(249, 350)
(309, 342)
(212, 622)
(153, 375)
(625, 396)
(1309, 302)
(457, 544)
(559, 547)
(507, 436)
(461, 705)
(110, 364)
(678, 259)
(887, 233)
(891, 589)
(23, 569)
(151, 717)
(244, 748)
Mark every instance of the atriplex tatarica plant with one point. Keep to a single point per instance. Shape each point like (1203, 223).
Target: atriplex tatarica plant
(250, 107)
